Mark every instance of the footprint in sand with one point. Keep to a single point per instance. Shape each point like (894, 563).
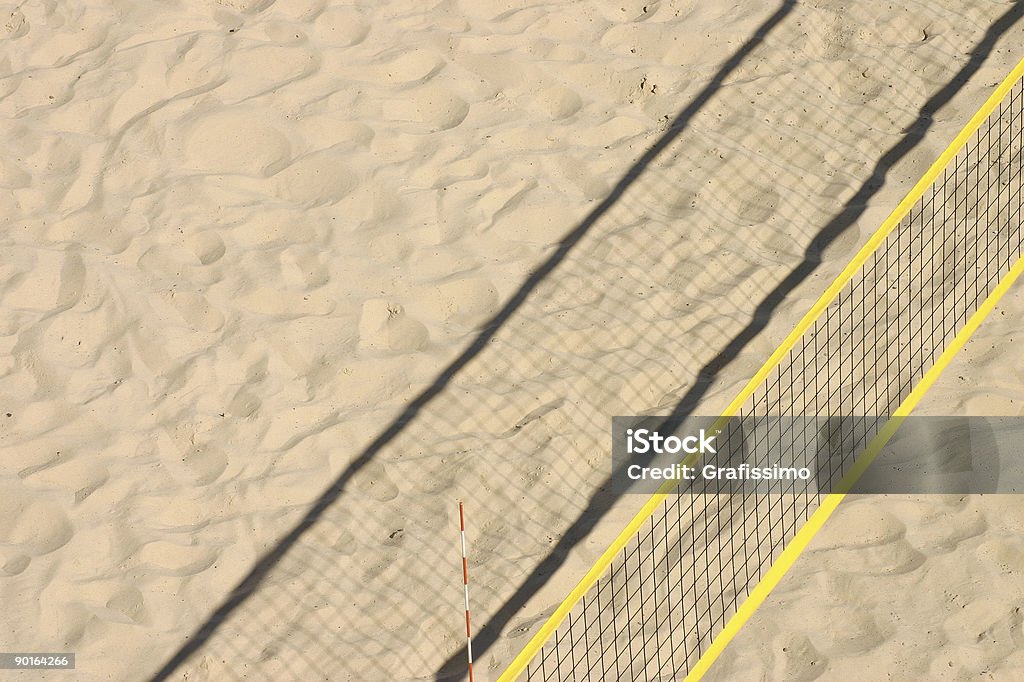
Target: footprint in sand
(898, 29)
(407, 68)
(50, 279)
(13, 24)
(839, 632)
(467, 301)
(205, 463)
(1011, 518)
(30, 525)
(340, 27)
(301, 268)
(270, 227)
(384, 324)
(196, 311)
(236, 141)
(374, 482)
(796, 659)
(128, 602)
(1002, 556)
(557, 101)
(207, 246)
(14, 564)
(314, 180)
(257, 69)
(860, 525)
(754, 201)
(434, 107)
(170, 558)
(982, 633)
(75, 339)
(645, 41)
(868, 541)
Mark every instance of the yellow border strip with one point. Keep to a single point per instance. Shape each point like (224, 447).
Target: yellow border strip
(535, 644)
(814, 524)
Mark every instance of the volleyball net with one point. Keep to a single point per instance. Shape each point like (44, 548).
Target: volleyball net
(684, 575)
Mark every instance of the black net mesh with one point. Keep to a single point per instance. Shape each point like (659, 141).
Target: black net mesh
(672, 589)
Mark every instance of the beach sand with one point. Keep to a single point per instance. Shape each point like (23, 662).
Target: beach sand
(245, 238)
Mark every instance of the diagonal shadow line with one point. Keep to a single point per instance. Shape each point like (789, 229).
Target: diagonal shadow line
(255, 577)
(853, 209)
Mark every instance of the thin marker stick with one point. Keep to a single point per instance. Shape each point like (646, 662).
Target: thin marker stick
(465, 584)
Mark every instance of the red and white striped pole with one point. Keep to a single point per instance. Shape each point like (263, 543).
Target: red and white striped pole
(465, 584)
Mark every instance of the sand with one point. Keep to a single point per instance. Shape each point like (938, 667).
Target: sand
(241, 236)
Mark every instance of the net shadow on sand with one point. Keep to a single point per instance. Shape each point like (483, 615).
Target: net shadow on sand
(308, 563)
(253, 580)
